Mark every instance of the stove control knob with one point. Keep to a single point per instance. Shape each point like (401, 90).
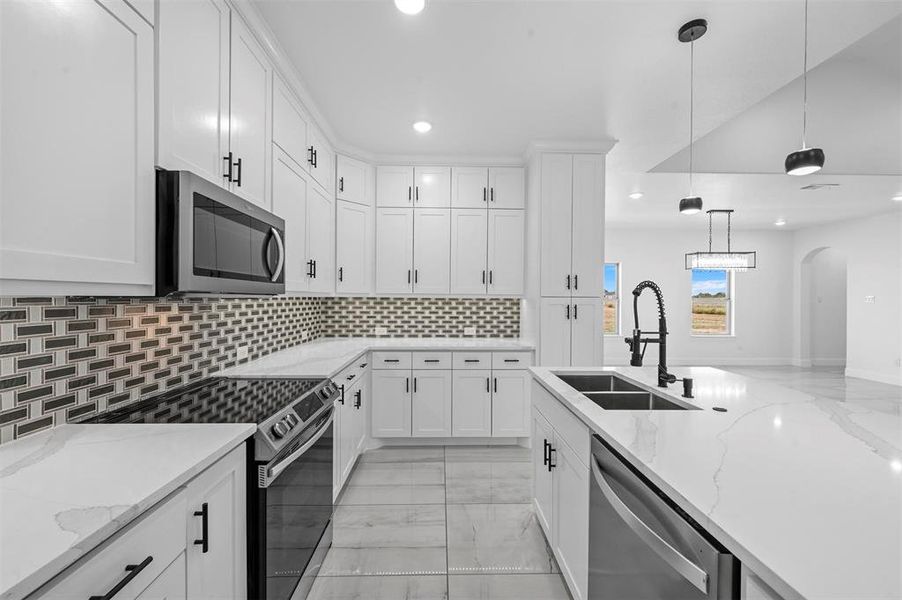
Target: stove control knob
(291, 419)
(279, 430)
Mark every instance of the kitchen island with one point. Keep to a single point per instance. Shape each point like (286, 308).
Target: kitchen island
(805, 491)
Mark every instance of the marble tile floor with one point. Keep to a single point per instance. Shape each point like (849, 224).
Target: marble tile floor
(450, 523)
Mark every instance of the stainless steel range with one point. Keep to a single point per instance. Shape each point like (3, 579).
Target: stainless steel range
(289, 468)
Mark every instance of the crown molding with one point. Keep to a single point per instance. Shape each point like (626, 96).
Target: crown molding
(600, 146)
(460, 160)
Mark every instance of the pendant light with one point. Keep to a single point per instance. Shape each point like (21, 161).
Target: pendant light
(690, 32)
(717, 261)
(807, 160)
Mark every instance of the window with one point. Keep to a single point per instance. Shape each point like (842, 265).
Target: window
(711, 302)
(612, 298)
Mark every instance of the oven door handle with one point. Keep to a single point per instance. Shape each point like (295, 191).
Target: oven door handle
(279, 265)
(679, 563)
(269, 474)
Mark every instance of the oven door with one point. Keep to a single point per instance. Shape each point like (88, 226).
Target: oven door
(295, 510)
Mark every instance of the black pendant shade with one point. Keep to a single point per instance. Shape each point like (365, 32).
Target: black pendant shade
(804, 161)
(691, 205)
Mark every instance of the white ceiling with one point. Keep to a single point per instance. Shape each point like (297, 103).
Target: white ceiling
(493, 75)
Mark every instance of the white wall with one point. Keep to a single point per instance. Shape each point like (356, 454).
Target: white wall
(763, 312)
(873, 253)
(825, 307)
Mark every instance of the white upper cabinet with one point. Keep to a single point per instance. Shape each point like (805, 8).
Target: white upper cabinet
(77, 185)
(320, 240)
(505, 252)
(507, 187)
(354, 248)
(432, 187)
(353, 180)
(250, 115)
(588, 226)
(432, 250)
(469, 239)
(469, 187)
(321, 160)
(193, 87)
(557, 219)
(289, 124)
(394, 186)
(394, 250)
(289, 201)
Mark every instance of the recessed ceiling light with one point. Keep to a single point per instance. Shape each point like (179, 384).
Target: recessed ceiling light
(898, 197)
(636, 195)
(410, 7)
(422, 126)
(780, 222)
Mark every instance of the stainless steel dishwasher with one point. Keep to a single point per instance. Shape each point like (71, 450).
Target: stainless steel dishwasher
(643, 547)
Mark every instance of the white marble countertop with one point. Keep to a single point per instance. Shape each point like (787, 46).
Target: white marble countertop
(805, 490)
(326, 357)
(64, 491)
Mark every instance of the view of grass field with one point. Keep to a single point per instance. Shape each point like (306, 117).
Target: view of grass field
(610, 316)
(709, 316)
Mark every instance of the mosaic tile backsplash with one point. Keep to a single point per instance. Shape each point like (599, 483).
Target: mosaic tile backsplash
(63, 358)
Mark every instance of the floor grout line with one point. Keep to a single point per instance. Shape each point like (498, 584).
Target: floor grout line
(447, 529)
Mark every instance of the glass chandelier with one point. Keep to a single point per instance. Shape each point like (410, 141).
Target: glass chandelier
(718, 261)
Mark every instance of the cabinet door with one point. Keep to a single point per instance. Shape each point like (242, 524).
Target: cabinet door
(361, 408)
(394, 250)
(193, 87)
(469, 239)
(346, 433)
(587, 332)
(394, 186)
(469, 188)
(554, 349)
(289, 201)
(510, 403)
(542, 434)
(390, 411)
(472, 414)
(354, 248)
(557, 219)
(431, 416)
(432, 187)
(170, 584)
(251, 116)
(588, 225)
(289, 124)
(323, 167)
(506, 252)
(218, 570)
(77, 176)
(507, 187)
(320, 240)
(352, 180)
(432, 251)
(571, 518)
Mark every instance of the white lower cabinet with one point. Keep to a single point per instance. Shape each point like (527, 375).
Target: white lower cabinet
(431, 404)
(510, 403)
(167, 552)
(472, 414)
(390, 416)
(571, 332)
(562, 499)
(350, 424)
(751, 587)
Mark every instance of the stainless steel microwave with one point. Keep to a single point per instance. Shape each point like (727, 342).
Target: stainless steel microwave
(210, 241)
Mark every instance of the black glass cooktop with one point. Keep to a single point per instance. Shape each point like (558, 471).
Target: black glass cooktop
(220, 401)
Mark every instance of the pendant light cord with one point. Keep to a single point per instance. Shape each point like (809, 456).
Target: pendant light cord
(692, 103)
(804, 84)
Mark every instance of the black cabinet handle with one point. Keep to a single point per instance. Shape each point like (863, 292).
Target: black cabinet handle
(228, 159)
(575, 312)
(407, 385)
(342, 397)
(568, 282)
(408, 276)
(204, 541)
(551, 465)
(576, 282)
(568, 312)
(359, 398)
(511, 360)
(487, 384)
(493, 194)
(483, 195)
(545, 446)
(132, 571)
(432, 360)
(238, 171)
(409, 193)
(416, 275)
(351, 376)
(496, 385)
(471, 360)
(491, 277)
(363, 366)
(414, 385)
(416, 195)
(483, 276)
(341, 274)
(341, 184)
(315, 162)
(310, 158)
(309, 268)
(391, 360)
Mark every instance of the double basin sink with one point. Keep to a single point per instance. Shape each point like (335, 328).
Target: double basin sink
(613, 393)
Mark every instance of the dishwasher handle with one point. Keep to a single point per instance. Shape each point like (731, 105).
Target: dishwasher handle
(682, 565)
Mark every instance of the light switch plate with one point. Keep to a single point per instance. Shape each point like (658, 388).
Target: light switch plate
(242, 352)
(469, 331)
(380, 331)
(870, 299)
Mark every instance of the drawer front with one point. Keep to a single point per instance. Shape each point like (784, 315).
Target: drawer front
(391, 360)
(472, 360)
(511, 360)
(432, 360)
(159, 535)
(353, 372)
(566, 425)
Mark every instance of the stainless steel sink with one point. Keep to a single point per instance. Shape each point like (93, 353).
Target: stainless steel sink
(599, 383)
(633, 401)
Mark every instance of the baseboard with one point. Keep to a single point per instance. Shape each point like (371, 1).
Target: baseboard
(828, 362)
(878, 376)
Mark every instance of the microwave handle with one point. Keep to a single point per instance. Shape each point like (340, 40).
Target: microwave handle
(278, 271)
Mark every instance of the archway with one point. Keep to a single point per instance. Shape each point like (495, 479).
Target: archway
(823, 308)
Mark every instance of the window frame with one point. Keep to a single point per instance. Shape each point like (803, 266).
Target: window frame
(730, 303)
(618, 302)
